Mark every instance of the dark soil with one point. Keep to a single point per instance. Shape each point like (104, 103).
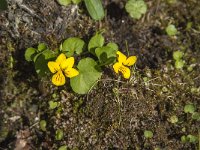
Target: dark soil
(115, 113)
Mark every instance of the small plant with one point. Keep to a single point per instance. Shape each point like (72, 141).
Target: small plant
(173, 119)
(61, 62)
(148, 134)
(59, 134)
(53, 105)
(189, 108)
(189, 138)
(196, 116)
(40, 56)
(94, 7)
(171, 30)
(178, 57)
(136, 8)
(43, 125)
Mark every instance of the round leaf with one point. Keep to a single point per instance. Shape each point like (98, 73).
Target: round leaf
(189, 108)
(174, 119)
(42, 47)
(29, 53)
(114, 46)
(148, 134)
(96, 41)
(196, 116)
(89, 73)
(192, 138)
(179, 64)
(43, 125)
(52, 104)
(136, 8)
(72, 45)
(177, 55)
(59, 134)
(171, 30)
(106, 55)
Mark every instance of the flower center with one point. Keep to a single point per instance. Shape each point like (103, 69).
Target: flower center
(122, 69)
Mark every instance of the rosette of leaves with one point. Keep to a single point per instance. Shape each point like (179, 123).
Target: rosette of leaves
(40, 56)
(136, 8)
(178, 57)
(171, 30)
(106, 54)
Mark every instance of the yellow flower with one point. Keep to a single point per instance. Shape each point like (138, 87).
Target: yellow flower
(123, 61)
(62, 67)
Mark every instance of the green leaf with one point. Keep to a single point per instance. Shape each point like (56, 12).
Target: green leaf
(192, 138)
(114, 46)
(184, 139)
(96, 41)
(136, 8)
(59, 134)
(148, 134)
(49, 54)
(43, 125)
(89, 73)
(29, 53)
(177, 55)
(174, 119)
(41, 47)
(41, 61)
(64, 2)
(52, 104)
(171, 30)
(41, 66)
(189, 108)
(3, 5)
(72, 45)
(179, 64)
(95, 9)
(64, 147)
(76, 1)
(196, 116)
(106, 55)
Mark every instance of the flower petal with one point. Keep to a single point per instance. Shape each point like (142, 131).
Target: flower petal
(53, 66)
(67, 63)
(130, 61)
(58, 79)
(61, 58)
(71, 72)
(121, 57)
(125, 72)
(116, 67)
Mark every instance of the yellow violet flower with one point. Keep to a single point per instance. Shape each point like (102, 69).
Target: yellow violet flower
(123, 61)
(62, 67)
